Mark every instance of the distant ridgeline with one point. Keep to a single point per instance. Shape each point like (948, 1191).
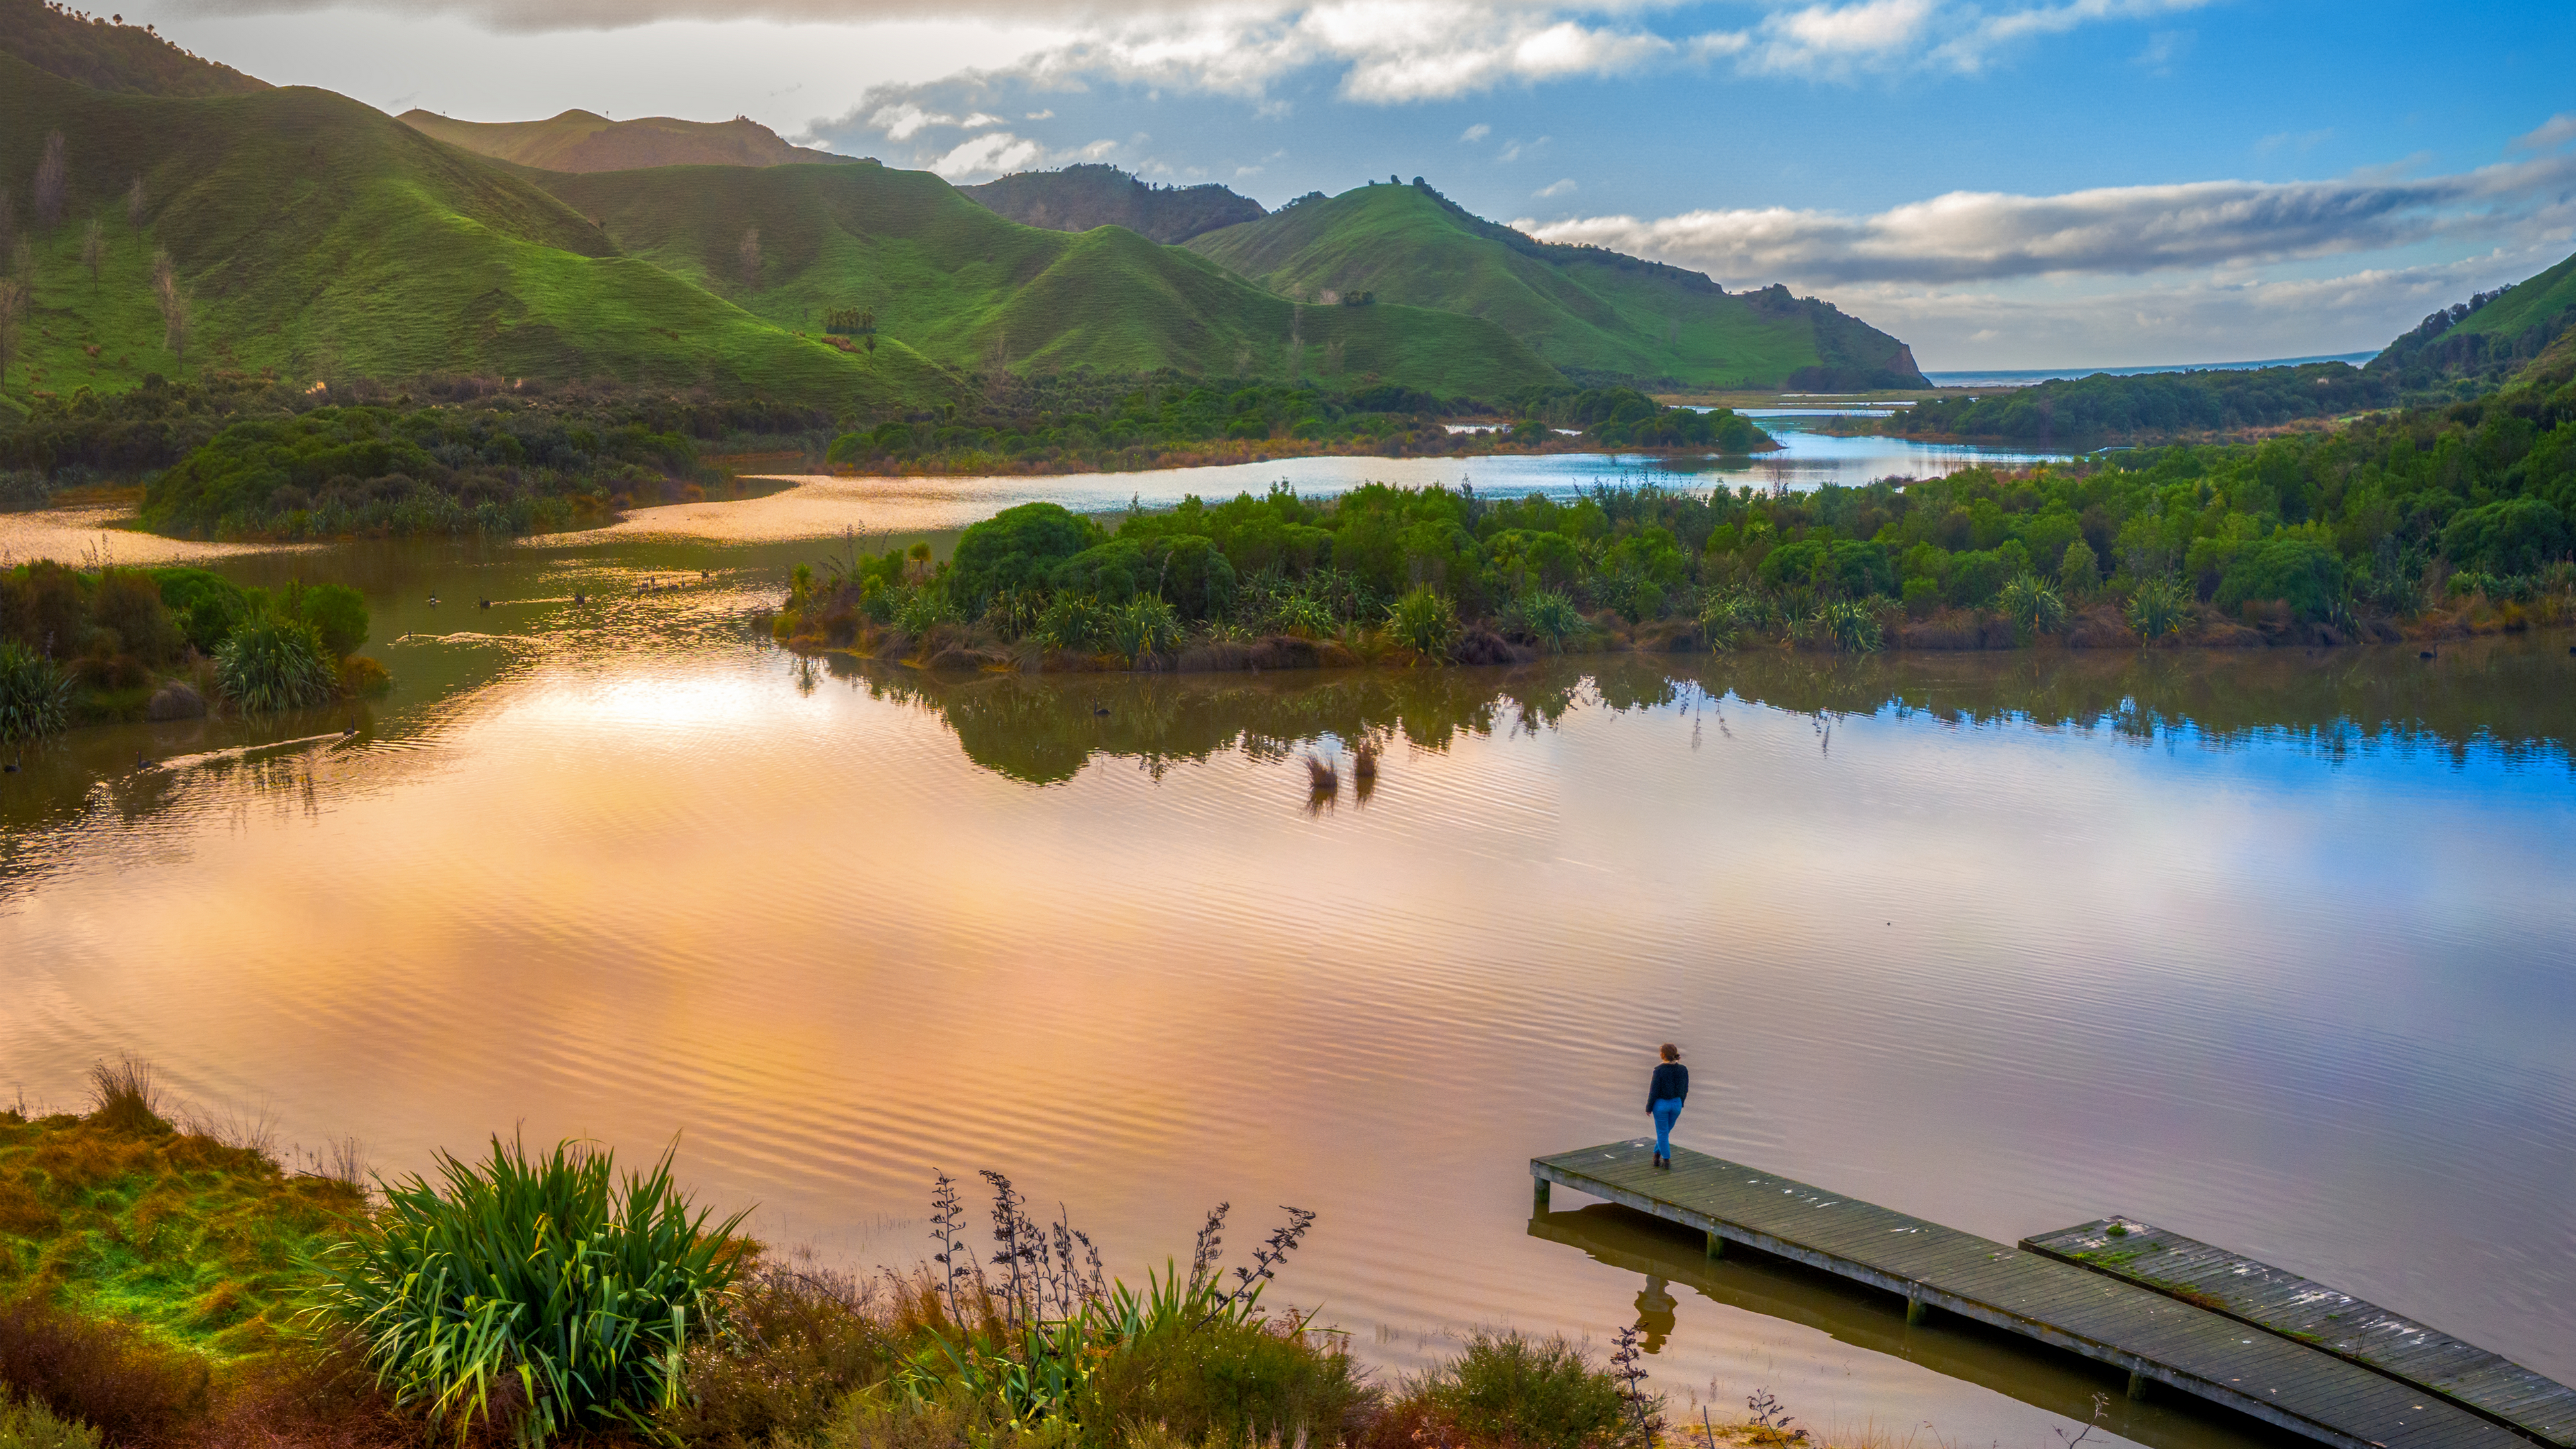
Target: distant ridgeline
(2461, 352)
(582, 141)
(1081, 197)
(1595, 315)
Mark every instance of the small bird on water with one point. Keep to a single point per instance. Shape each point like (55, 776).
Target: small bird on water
(433, 601)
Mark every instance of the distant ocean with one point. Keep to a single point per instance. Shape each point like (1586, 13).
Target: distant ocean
(2024, 377)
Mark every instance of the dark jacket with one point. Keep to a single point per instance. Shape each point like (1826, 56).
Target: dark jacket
(1671, 1084)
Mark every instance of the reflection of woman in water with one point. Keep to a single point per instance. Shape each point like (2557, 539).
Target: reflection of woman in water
(1664, 1099)
(1655, 1314)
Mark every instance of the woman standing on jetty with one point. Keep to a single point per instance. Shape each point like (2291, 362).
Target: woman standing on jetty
(1664, 1099)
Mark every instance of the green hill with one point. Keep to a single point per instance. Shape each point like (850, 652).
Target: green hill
(318, 238)
(2474, 346)
(582, 141)
(966, 287)
(1078, 198)
(1585, 310)
(321, 238)
(107, 54)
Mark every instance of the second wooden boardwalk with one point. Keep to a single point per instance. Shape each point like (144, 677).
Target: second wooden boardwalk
(2286, 1303)
(2154, 1337)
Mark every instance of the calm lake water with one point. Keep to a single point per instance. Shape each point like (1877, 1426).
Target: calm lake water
(2272, 949)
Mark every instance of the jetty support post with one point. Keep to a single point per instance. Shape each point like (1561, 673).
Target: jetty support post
(1716, 1246)
(1916, 1311)
(2137, 1386)
(1538, 1194)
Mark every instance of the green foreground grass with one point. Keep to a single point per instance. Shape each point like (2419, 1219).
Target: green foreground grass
(164, 1287)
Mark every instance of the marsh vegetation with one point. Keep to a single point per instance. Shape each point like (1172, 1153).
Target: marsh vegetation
(189, 1290)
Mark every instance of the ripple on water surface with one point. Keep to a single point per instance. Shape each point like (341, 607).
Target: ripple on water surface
(2274, 955)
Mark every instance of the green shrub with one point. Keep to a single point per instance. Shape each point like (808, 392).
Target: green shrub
(1922, 596)
(207, 605)
(1975, 578)
(35, 695)
(1072, 622)
(30, 1426)
(1016, 549)
(1424, 621)
(1195, 576)
(922, 609)
(580, 1292)
(1545, 617)
(271, 664)
(336, 611)
(1142, 629)
(2159, 607)
(2508, 536)
(1508, 1389)
(2033, 606)
(2301, 573)
(1850, 626)
(364, 678)
(129, 603)
(2079, 570)
(795, 1343)
(1222, 1380)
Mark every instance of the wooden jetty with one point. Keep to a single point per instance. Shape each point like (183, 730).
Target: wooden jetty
(2154, 1337)
(2280, 1301)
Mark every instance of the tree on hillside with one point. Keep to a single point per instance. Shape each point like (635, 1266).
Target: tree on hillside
(174, 304)
(8, 218)
(134, 204)
(747, 259)
(93, 248)
(52, 174)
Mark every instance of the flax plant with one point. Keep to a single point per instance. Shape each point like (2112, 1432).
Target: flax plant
(548, 1281)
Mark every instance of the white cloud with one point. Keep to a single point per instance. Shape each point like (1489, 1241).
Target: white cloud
(904, 120)
(1823, 38)
(1390, 52)
(2227, 316)
(2549, 135)
(1555, 188)
(1476, 132)
(1971, 236)
(990, 154)
(979, 120)
(1045, 115)
(2164, 47)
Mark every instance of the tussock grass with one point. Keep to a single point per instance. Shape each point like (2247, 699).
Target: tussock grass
(116, 1215)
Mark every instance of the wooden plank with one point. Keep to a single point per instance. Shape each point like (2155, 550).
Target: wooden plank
(2179, 1344)
(2327, 1319)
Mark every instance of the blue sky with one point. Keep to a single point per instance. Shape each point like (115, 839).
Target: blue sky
(2003, 183)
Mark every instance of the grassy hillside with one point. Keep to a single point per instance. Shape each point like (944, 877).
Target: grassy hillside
(1581, 308)
(581, 141)
(966, 287)
(2475, 346)
(108, 55)
(321, 238)
(1079, 198)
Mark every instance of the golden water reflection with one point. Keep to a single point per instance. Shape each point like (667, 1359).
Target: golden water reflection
(2272, 949)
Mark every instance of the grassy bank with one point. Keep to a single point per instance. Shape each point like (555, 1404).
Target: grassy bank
(172, 1285)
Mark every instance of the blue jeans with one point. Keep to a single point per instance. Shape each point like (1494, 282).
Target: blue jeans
(1666, 1111)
